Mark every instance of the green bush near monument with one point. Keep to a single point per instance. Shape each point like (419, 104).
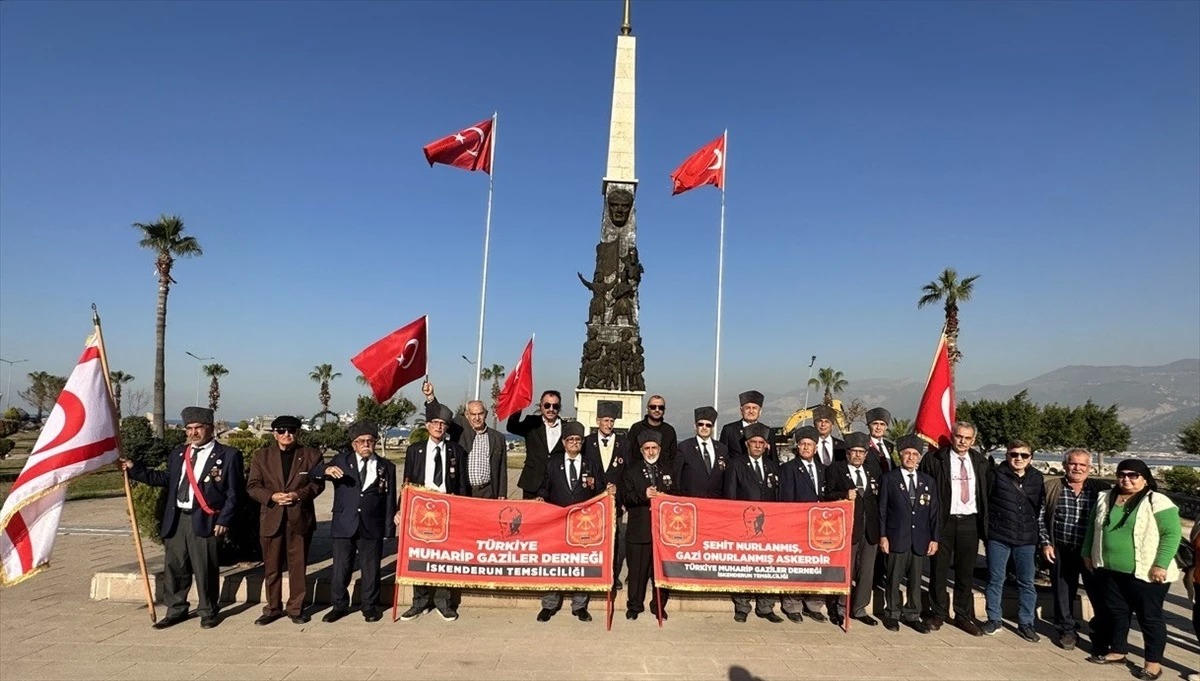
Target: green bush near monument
(1182, 480)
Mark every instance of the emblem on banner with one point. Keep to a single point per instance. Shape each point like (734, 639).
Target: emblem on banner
(585, 526)
(677, 524)
(510, 522)
(429, 519)
(755, 520)
(826, 529)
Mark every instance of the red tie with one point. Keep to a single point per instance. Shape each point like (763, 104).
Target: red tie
(964, 485)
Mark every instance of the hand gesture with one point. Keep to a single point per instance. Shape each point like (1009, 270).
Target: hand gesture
(932, 548)
(1048, 552)
(427, 390)
(123, 464)
(334, 472)
(611, 488)
(399, 518)
(219, 530)
(651, 492)
(851, 494)
(883, 544)
(1158, 575)
(281, 498)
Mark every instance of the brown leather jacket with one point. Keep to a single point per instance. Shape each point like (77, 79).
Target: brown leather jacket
(266, 478)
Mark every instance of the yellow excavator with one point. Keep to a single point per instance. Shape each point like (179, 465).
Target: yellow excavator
(801, 415)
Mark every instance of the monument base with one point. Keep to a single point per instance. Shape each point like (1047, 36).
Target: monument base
(587, 400)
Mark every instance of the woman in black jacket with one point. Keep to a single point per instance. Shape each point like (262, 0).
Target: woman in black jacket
(1015, 519)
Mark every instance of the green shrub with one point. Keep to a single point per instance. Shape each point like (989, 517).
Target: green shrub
(6, 446)
(148, 503)
(12, 414)
(330, 436)
(9, 427)
(1182, 479)
(139, 444)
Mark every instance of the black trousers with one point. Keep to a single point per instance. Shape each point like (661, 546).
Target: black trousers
(618, 549)
(900, 567)
(1124, 595)
(483, 491)
(345, 550)
(424, 595)
(640, 559)
(526, 494)
(188, 555)
(1065, 574)
(958, 547)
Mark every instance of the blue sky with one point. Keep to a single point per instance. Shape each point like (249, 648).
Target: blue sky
(1053, 148)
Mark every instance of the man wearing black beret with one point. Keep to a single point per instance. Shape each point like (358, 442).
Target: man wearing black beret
(852, 479)
(829, 448)
(644, 478)
(703, 459)
(613, 450)
(733, 433)
(754, 477)
(909, 524)
(880, 453)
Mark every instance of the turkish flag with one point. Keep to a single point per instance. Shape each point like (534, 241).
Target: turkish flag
(469, 148)
(395, 360)
(517, 392)
(706, 166)
(935, 416)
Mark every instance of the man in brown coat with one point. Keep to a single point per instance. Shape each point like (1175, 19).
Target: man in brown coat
(279, 480)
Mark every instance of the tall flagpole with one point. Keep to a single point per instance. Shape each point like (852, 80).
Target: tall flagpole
(487, 238)
(720, 273)
(137, 535)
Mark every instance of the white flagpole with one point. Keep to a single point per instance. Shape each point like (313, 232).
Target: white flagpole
(487, 238)
(720, 273)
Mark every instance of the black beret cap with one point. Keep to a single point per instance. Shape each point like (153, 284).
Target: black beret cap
(437, 410)
(196, 415)
(706, 414)
(822, 411)
(857, 441)
(360, 428)
(607, 410)
(756, 430)
(806, 433)
(570, 428)
(286, 422)
(751, 397)
(649, 435)
(878, 414)
(911, 442)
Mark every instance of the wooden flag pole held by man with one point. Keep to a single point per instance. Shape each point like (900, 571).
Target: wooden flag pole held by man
(137, 534)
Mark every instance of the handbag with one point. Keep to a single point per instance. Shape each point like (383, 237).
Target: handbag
(1185, 557)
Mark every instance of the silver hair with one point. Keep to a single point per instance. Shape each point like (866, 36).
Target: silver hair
(966, 424)
(1076, 450)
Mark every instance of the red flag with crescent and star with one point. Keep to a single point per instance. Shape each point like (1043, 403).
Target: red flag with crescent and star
(469, 148)
(935, 416)
(79, 437)
(395, 360)
(517, 392)
(706, 166)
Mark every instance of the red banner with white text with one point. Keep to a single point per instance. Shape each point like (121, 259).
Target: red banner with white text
(751, 546)
(455, 541)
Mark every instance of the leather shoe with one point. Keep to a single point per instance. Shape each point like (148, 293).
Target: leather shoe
(617, 585)
(631, 614)
(209, 622)
(266, 619)
(772, 617)
(583, 615)
(372, 615)
(891, 625)
(919, 626)
(739, 617)
(935, 623)
(654, 611)
(545, 614)
(867, 620)
(1147, 676)
(815, 616)
(968, 626)
(412, 613)
(795, 617)
(302, 618)
(1104, 659)
(336, 614)
(168, 622)
(836, 620)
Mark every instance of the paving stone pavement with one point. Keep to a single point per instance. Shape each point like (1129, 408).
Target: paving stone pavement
(49, 629)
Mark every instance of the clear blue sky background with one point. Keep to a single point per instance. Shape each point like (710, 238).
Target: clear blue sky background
(1052, 147)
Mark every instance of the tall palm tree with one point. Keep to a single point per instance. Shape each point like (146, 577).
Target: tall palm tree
(832, 381)
(323, 374)
(950, 290)
(164, 237)
(898, 429)
(215, 372)
(494, 374)
(118, 379)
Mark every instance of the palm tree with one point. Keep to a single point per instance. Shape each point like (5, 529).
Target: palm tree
(164, 237)
(947, 288)
(323, 374)
(118, 379)
(832, 381)
(494, 375)
(898, 429)
(215, 372)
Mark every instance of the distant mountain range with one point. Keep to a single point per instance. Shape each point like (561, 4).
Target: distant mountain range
(1155, 402)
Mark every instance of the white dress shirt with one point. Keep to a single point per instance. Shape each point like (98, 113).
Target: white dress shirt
(372, 469)
(822, 443)
(429, 465)
(199, 461)
(553, 434)
(606, 450)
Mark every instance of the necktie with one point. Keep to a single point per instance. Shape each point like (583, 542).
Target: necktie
(185, 490)
(912, 488)
(437, 466)
(604, 441)
(573, 477)
(707, 458)
(825, 457)
(858, 480)
(362, 473)
(812, 474)
(964, 484)
(758, 470)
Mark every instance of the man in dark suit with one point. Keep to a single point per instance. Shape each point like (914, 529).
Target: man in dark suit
(439, 464)
(364, 503)
(909, 527)
(571, 479)
(803, 479)
(643, 479)
(962, 477)
(202, 482)
(852, 479)
(703, 460)
(879, 454)
(733, 433)
(829, 448)
(487, 452)
(279, 480)
(754, 477)
(543, 438)
(655, 419)
(613, 450)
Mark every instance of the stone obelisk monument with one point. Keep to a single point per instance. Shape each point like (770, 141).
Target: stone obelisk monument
(613, 362)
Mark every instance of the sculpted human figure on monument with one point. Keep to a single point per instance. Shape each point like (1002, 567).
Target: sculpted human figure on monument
(620, 206)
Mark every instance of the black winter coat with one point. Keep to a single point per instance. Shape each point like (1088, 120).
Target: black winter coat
(1015, 506)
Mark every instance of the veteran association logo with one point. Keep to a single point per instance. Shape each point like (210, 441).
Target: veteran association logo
(585, 525)
(826, 529)
(677, 524)
(755, 520)
(428, 519)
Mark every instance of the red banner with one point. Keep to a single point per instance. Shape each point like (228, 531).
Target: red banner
(454, 541)
(751, 546)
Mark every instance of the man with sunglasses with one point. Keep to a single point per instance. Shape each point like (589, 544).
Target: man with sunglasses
(543, 439)
(703, 459)
(280, 481)
(656, 411)
(487, 452)
(1015, 522)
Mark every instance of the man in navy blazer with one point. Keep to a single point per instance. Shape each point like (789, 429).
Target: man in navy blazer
(570, 479)
(853, 479)
(703, 459)
(803, 479)
(754, 477)
(202, 482)
(364, 506)
(910, 523)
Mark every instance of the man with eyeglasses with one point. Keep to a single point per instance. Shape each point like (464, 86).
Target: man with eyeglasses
(612, 450)
(279, 480)
(1068, 505)
(733, 433)
(656, 411)
(543, 439)
(1015, 522)
(963, 477)
(364, 503)
(703, 459)
(439, 464)
(487, 453)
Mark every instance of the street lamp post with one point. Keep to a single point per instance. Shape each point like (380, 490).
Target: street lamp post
(474, 375)
(811, 362)
(199, 370)
(8, 389)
